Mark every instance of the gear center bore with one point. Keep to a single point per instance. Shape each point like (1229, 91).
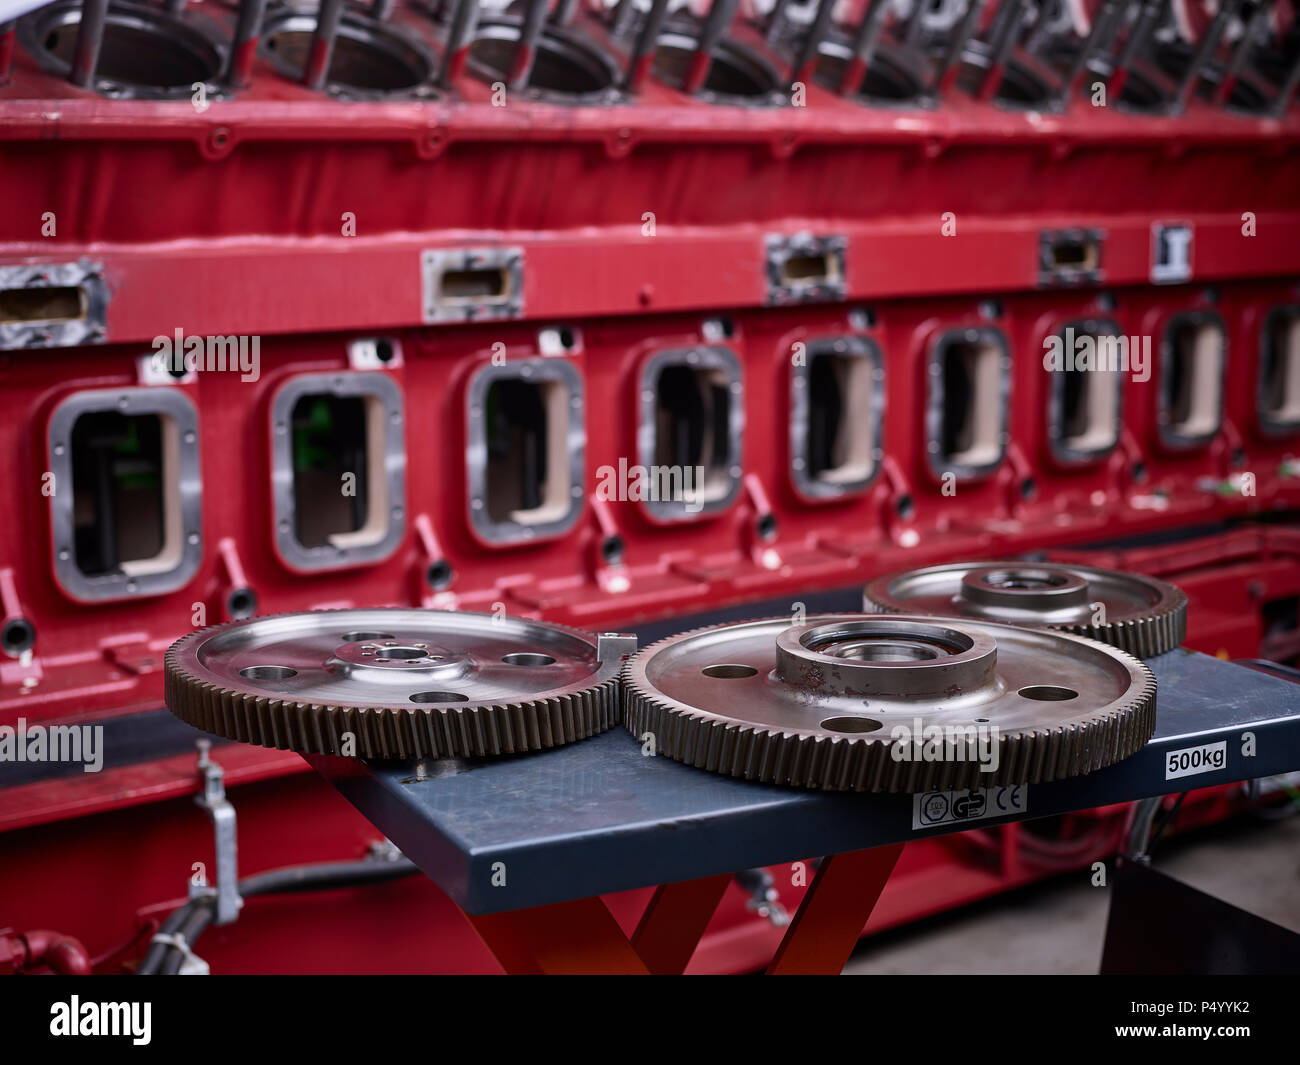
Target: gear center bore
(1020, 593)
(395, 659)
(887, 658)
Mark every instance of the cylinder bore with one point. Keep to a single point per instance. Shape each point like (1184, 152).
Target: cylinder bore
(1023, 88)
(146, 53)
(565, 67)
(1020, 86)
(369, 58)
(1246, 94)
(736, 74)
(890, 78)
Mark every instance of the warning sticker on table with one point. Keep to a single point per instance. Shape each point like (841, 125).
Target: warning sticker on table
(933, 808)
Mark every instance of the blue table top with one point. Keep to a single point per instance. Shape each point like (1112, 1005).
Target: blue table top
(598, 816)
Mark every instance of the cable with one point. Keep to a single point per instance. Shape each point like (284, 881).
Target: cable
(192, 919)
(149, 928)
(158, 950)
(199, 918)
(1059, 854)
(1165, 821)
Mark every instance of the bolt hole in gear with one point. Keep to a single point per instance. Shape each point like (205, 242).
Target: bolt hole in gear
(1142, 615)
(403, 683)
(817, 704)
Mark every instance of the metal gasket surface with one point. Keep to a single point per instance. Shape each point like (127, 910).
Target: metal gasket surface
(396, 683)
(1142, 615)
(889, 703)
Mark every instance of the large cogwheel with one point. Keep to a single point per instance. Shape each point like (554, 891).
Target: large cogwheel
(400, 683)
(1142, 615)
(862, 702)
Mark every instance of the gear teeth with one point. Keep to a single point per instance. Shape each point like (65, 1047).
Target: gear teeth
(1163, 630)
(1142, 637)
(459, 730)
(865, 764)
(467, 730)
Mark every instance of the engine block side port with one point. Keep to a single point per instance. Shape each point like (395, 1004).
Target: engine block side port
(338, 470)
(1085, 396)
(968, 394)
(690, 433)
(836, 417)
(1279, 372)
(1193, 354)
(125, 509)
(526, 450)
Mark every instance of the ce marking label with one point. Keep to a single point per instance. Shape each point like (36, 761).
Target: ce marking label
(931, 808)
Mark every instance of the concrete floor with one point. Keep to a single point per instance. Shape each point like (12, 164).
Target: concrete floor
(1058, 926)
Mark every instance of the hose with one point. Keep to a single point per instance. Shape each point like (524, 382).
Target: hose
(192, 919)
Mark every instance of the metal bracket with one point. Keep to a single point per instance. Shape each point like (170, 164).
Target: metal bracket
(1070, 257)
(763, 898)
(214, 801)
(613, 646)
(472, 284)
(1139, 833)
(61, 305)
(805, 267)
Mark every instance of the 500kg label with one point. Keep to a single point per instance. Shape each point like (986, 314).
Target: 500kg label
(1192, 760)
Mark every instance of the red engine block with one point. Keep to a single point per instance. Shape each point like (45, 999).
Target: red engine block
(486, 264)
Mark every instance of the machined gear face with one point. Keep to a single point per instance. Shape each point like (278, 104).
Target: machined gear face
(403, 683)
(856, 702)
(1139, 614)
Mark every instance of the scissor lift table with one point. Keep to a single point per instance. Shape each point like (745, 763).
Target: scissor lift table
(526, 845)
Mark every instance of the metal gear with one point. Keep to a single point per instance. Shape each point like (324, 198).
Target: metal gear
(405, 683)
(1142, 615)
(820, 704)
